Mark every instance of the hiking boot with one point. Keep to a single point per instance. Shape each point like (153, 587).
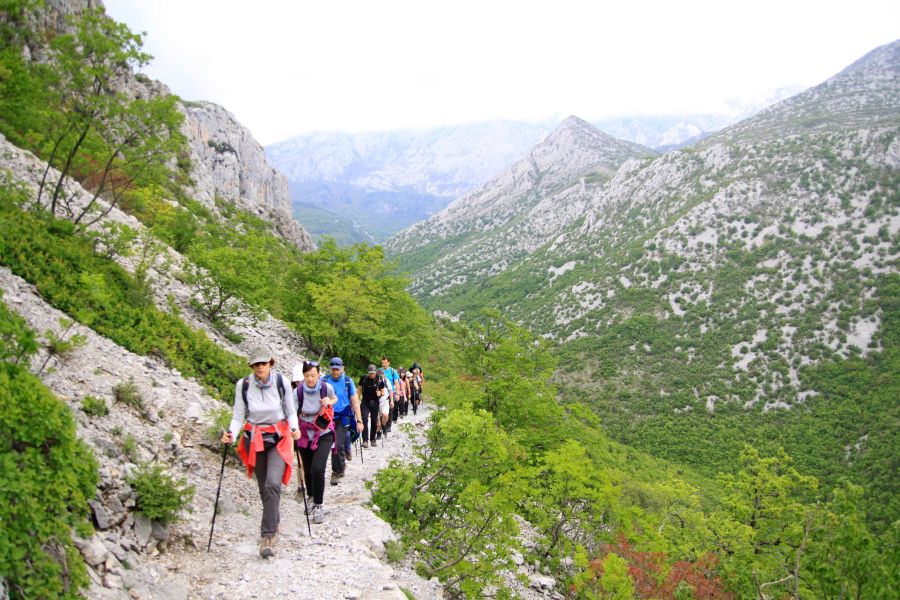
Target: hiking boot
(377, 435)
(349, 456)
(374, 444)
(366, 444)
(318, 514)
(335, 478)
(267, 546)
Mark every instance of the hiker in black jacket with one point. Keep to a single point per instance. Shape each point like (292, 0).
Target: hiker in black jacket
(371, 389)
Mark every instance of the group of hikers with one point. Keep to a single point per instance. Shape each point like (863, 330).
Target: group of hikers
(316, 415)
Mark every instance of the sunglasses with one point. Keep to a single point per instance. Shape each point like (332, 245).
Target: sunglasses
(310, 363)
(258, 364)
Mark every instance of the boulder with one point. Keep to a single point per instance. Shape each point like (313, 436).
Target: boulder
(93, 550)
(101, 516)
(143, 529)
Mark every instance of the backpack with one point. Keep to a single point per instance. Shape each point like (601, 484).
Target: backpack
(327, 415)
(269, 439)
(278, 381)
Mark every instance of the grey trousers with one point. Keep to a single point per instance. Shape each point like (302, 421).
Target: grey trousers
(269, 471)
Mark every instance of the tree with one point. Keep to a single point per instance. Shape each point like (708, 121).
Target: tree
(78, 112)
(766, 524)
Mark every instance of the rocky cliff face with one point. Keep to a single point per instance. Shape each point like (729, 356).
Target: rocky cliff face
(228, 163)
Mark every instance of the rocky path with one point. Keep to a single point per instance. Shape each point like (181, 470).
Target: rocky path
(344, 558)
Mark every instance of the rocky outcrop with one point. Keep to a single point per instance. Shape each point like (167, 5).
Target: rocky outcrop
(228, 163)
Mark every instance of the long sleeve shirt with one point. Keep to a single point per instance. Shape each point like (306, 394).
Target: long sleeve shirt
(264, 406)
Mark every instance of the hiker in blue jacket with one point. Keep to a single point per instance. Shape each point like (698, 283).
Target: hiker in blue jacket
(346, 415)
(393, 379)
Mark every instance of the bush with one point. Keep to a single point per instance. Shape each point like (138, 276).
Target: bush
(130, 448)
(100, 294)
(396, 551)
(16, 339)
(60, 345)
(160, 496)
(127, 393)
(219, 419)
(46, 478)
(94, 407)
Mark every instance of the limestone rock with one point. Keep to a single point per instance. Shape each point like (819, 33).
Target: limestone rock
(93, 550)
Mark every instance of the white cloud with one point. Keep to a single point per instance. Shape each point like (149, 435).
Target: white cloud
(292, 66)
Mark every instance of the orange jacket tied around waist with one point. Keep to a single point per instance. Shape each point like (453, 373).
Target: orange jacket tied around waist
(283, 447)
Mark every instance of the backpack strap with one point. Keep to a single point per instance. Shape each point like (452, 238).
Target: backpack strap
(279, 382)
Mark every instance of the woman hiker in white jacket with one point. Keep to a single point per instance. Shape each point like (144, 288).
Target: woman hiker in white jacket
(265, 412)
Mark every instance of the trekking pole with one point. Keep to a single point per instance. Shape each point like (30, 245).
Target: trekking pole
(301, 479)
(218, 491)
(359, 447)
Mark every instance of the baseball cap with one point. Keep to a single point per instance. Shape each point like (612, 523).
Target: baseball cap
(372, 368)
(259, 354)
(336, 362)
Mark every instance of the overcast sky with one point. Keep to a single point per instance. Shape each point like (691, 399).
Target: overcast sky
(291, 66)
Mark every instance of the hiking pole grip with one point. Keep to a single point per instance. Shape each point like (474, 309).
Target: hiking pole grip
(218, 492)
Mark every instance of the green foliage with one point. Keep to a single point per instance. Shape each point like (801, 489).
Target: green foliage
(94, 407)
(130, 448)
(345, 302)
(17, 341)
(395, 550)
(160, 496)
(101, 295)
(46, 479)
(73, 111)
(615, 584)
(456, 512)
(126, 393)
(218, 420)
(61, 345)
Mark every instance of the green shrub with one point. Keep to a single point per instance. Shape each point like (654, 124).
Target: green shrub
(395, 550)
(46, 478)
(61, 345)
(94, 407)
(16, 339)
(160, 496)
(219, 419)
(130, 448)
(100, 294)
(127, 393)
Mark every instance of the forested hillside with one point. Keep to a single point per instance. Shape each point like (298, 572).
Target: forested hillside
(143, 253)
(739, 291)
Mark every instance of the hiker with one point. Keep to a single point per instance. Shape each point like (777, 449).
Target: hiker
(372, 388)
(346, 415)
(316, 399)
(414, 391)
(392, 377)
(385, 404)
(403, 409)
(265, 412)
(420, 376)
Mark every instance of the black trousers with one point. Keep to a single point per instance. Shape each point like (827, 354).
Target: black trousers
(314, 465)
(370, 419)
(338, 462)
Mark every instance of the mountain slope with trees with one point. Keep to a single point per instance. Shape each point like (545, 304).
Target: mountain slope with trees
(706, 297)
